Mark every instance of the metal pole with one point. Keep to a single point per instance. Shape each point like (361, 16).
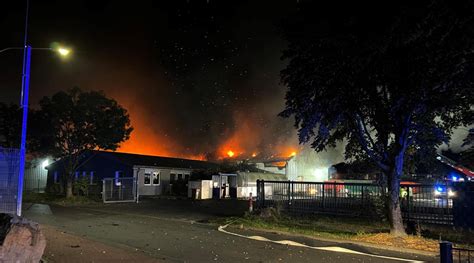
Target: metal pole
(445, 252)
(24, 105)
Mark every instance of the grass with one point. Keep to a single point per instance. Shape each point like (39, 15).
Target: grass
(323, 226)
(351, 229)
(46, 198)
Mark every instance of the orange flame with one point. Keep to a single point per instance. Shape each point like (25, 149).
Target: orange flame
(230, 153)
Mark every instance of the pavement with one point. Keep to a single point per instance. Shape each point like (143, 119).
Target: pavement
(176, 231)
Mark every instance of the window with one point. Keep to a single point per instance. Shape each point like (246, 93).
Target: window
(56, 177)
(147, 178)
(76, 175)
(180, 177)
(118, 174)
(186, 177)
(156, 178)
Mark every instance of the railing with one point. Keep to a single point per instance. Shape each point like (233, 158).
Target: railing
(449, 254)
(451, 204)
(318, 197)
(463, 255)
(427, 203)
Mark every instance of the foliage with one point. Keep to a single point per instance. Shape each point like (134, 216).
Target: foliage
(10, 125)
(78, 121)
(404, 82)
(81, 185)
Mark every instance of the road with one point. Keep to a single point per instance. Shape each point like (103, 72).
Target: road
(173, 232)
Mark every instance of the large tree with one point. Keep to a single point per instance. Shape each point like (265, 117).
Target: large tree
(79, 121)
(380, 75)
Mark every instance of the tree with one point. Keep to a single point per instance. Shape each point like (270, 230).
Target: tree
(380, 75)
(10, 125)
(10, 128)
(79, 121)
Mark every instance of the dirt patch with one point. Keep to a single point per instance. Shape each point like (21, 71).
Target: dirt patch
(65, 247)
(410, 242)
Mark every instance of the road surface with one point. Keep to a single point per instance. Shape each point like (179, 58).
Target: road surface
(173, 233)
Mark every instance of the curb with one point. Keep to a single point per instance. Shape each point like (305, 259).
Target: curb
(345, 241)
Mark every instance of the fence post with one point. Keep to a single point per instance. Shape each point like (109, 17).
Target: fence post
(408, 203)
(324, 190)
(445, 252)
(259, 195)
(288, 192)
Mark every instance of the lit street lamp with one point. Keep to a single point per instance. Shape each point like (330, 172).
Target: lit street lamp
(24, 105)
(25, 84)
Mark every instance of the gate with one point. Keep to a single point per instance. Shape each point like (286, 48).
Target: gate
(119, 190)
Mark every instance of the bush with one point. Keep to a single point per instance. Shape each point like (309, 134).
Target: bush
(81, 186)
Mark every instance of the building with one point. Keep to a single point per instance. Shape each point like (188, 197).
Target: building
(36, 175)
(152, 175)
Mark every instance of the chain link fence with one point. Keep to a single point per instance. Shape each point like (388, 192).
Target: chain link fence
(9, 169)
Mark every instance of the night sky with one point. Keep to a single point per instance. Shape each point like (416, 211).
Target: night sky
(198, 77)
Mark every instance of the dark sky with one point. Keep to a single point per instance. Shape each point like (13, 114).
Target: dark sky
(196, 76)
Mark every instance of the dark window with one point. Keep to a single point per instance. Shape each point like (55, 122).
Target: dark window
(186, 177)
(180, 177)
(156, 178)
(147, 179)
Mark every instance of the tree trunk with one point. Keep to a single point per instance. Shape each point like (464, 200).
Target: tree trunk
(69, 193)
(394, 210)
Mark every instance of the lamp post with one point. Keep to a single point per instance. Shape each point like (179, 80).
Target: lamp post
(25, 87)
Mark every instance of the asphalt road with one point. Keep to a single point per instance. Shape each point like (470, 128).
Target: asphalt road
(170, 232)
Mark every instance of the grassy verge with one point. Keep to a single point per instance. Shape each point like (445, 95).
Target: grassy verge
(351, 229)
(45, 198)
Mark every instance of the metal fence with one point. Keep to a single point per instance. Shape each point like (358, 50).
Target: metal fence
(463, 255)
(318, 197)
(427, 203)
(451, 204)
(119, 190)
(9, 168)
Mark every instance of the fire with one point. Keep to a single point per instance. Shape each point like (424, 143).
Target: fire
(230, 153)
(254, 154)
(292, 154)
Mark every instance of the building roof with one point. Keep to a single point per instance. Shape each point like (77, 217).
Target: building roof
(146, 160)
(243, 178)
(158, 161)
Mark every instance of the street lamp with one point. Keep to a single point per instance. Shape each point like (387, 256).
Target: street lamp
(62, 51)
(25, 84)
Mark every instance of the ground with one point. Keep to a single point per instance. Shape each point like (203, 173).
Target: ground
(161, 230)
